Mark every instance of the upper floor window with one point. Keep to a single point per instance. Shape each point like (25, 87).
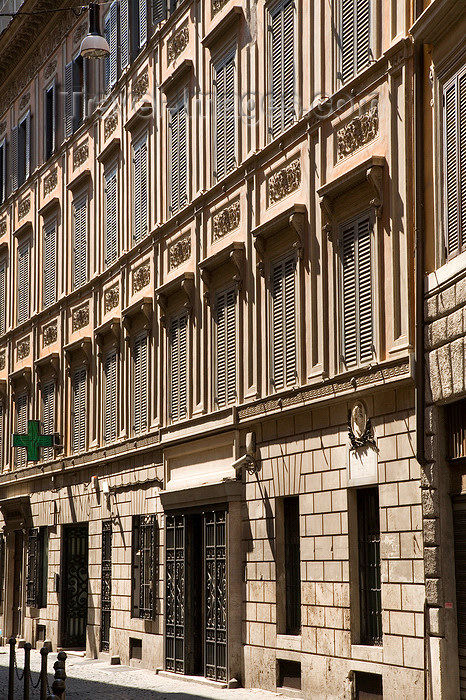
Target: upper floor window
(23, 271)
(2, 171)
(282, 67)
(79, 259)
(111, 223)
(283, 322)
(133, 29)
(21, 426)
(225, 347)
(356, 287)
(225, 118)
(454, 101)
(21, 151)
(178, 156)
(140, 383)
(354, 37)
(50, 120)
(48, 414)
(79, 410)
(50, 264)
(111, 34)
(110, 396)
(141, 194)
(2, 296)
(178, 367)
(75, 94)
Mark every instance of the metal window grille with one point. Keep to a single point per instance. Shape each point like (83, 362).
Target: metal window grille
(144, 561)
(106, 585)
(369, 566)
(292, 565)
(456, 420)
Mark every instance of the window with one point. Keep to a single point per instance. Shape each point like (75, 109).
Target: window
(284, 355)
(110, 407)
(143, 566)
(2, 171)
(368, 686)
(140, 382)
(37, 564)
(2, 296)
(225, 348)
(22, 312)
(178, 155)
(370, 605)
(354, 37)
(111, 34)
(292, 565)
(2, 411)
(111, 225)
(75, 94)
(178, 367)
(2, 566)
(454, 101)
(455, 415)
(225, 118)
(79, 409)
(24, 149)
(21, 427)
(79, 242)
(50, 120)
(50, 264)
(106, 586)
(282, 67)
(133, 29)
(140, 190)
(357, 346)
(48, 415)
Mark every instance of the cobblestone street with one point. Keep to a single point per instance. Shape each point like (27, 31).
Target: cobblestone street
(94, 679)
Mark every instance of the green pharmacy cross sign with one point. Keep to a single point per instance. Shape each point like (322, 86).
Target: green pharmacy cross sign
(33, 441)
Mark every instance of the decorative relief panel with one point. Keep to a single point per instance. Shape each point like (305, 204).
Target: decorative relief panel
(140, 86)
(50, 69)
(110, 124)
(50, 334)
(179, 252)
(80, 318)
(141, 277)
(2, 359)
(178, 42)
(23, 348)
(2, 127)
(24, 101)
(284, 182)
(2, 227)
(24, 207)
(359, 131)
(111, 298)
(50, 182)
(80, 155)
(80, 33)
(217, 6)
(226, 220)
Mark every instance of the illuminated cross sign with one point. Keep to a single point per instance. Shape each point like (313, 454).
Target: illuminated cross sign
(33, 441)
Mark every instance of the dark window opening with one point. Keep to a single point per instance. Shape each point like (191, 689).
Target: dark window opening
(456, 422)
(41, 633)
(144, 566)
(50, 121)
(292, 565)
(37, 567)
(78, 92)
(368, 686)
(23, 150)
(369, 566)
(135, 648)
(2, 172)
(289, 674)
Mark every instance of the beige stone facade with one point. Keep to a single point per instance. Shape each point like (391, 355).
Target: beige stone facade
(297, 219)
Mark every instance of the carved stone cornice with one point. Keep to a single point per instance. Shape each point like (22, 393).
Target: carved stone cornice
(108, 333)
(142, 309)
(221, 28)
(78, 350)
(233, 254)
(293, 219)
(21, 376)
(183, 283)
(49, 364)
(180, 73)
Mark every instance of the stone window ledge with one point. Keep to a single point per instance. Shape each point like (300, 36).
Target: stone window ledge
(446, 275)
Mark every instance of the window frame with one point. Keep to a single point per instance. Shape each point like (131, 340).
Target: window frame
(22, 246)
(272, 11)
(109, 174)
(81, 423)
(144, 415)
(453, 81)
(283, 259)
(76, 203)
(181, 102)
(37, 567)
(108, 353)
(139, 571)
(49, 150)
(142, 140)
(219, 292)
(3, 170)
(48, 452)
(231, 55)
(24, 149)
(176, 317)
(47, 227)
(372, 41)
(21, 461)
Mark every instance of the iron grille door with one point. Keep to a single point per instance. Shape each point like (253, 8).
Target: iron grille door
(106, 586)
(175, 593)
(215, 652)
(75, 577)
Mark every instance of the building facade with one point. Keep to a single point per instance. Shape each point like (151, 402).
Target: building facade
(207, 292)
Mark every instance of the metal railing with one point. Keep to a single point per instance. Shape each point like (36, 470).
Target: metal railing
(24, 677)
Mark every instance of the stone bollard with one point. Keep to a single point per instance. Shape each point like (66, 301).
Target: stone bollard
(44, 652)
(27, 671)
(58, 685)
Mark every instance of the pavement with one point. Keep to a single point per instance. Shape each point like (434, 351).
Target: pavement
(96, 679)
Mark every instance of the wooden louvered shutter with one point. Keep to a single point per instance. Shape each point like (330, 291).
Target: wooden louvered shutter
(355, 37)
(21, 428)
(462, 156)
(2, 297)
(23, 283)
(178, 368)
(111, 226)
(140, 382)
(68, 99)
(362, 34)
(27, 146)
(347, 37)
(284, 323)
(142, 22)
(455, 165)
(349, 295)
(364, 291)
(50, 267)
(225, 119)
(225, 364)
(48, 415)
(283, 68)
(183, 156)
(288, 64)
(1, 461)
(159, 11)
(14, 159)
(124, 34)
(110, 408)
(140, 191)
(178, 158)
(111, 34)
(80, 243)
(2, 171)
(79, 412)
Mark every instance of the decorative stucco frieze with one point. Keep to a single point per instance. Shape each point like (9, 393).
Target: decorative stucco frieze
(217, 5)
(50, 334)
(2, 359)
(50, 69)
(25, 100)
(50, 182)
(140, 86)
(226, 220)
(358, 132)
(179, 252)
(80, 318)
(2, 127)
(282, 183)
(23, 348)
(2, 227)
(80, 155)
(79, 33)
(141, 277)
(178, 42)
(24, 207)
(110, 124)
(111, 298)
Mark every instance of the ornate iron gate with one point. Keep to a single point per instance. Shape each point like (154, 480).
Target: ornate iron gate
(75, 582)
(196, 594)
(106, 583)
